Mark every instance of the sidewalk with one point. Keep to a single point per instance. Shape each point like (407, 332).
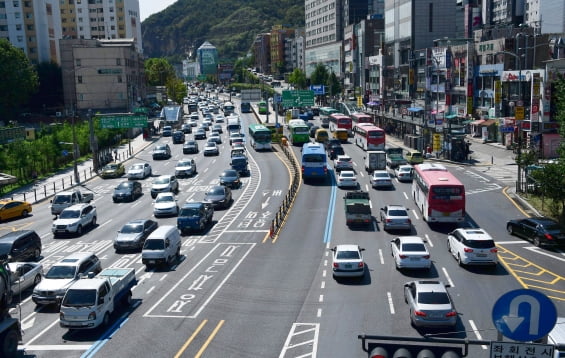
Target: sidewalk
(64, 180)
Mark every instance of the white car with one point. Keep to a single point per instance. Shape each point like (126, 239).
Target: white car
(139, 171)
(186, 167)
(347, 261)
(347, 179)
(381, 179)
(410, 252)
(74, 219)
(215, 138)
(472, 246)
(211, 148)
(25, 275)
(220, 119)
(404, 172)
(343, 162)
(165, 205)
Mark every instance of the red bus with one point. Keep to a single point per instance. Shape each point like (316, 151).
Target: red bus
(369, 137)
(340, 120)
(360, 117)
(439, 195)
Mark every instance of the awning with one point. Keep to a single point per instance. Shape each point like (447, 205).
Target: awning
(415, 109)
(450, 116)
(477, 122)
(372, 103)
(488, 122)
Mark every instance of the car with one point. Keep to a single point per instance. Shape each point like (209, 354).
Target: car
(347, 261)
(541, 231)
(165, 204)
(313, 130)
(347, 179)
(127, 191)
(178, 137)
(112, 170)
(10, 209)
(238, 146)
(381, 179)
(414, 157)
(21, 245)
(230, 178)
(343, 162)
(190, 147)
(404, 172)
(410, 252)
(335, 150)
(185, 167)
(472, 246)
(430, 304)
(211, 148)
(192, 122)
(167, 131)
(217, 128)
(236, 137)
(205, 126)
(219, 196)
(133, 234)
(395, 217)
(220, 119)
(74, 219)
(161, 151)
(186, 128)
(195, 216)
(139, 171)
(164, 184)
(200, 134)
(215, 138)
(24, 275)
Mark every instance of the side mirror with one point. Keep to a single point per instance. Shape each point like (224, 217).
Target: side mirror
(100, 300)
(362, 249)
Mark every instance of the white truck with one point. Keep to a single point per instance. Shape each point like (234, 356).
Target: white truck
(90, 302)
(64, 199)
(375, 160)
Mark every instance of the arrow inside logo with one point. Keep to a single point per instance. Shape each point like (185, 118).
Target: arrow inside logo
(513, 321)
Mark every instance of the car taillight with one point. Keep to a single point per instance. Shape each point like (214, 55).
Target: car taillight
(336, 265)
(451, 314)
(420, 313)
(361, 264)
(402, 256)
(467, 249)
(548, 236)
(302, 169)
(388, 220)
(426, 256)
(494, 251)
(408, 221)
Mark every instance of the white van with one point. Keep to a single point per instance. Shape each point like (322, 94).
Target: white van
(161, 247)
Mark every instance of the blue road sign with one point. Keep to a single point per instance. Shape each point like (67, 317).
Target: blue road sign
(64, 152)
(318, 89)
(524, 315)
(277, 125)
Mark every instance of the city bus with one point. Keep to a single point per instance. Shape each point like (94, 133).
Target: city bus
(228, 108)
(438, 194)
(314, 161)
(262, 107)
(233, 125)
(260, 136)
(369, 137)
(360, 117)
(245, 107)
(326, 111)
(340, 120)
(299, 131)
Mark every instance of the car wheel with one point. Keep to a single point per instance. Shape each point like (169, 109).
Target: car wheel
(201, 226)
(25, 214)
(131, 197)
(178, 254)
(79, 230)
(37, 279)
(537, 241)
(37, 254)
(448, 246)
(93, 222)
(127, 300)
(510, 229)
(459, 260)
(106, 320)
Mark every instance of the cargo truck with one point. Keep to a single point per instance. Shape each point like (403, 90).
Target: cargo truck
(375, 160)
(357, 208)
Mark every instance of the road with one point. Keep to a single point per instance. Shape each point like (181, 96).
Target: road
(238, 293)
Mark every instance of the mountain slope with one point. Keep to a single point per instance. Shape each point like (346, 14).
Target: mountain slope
(231, 26)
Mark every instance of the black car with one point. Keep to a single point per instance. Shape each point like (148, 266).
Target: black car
(230, 178)
(178, 137)
(21, 245)
(313, 130)
(127, 191)
(219, 196)
(162, 151)
(133, 234)
(334, 150)
(186, 128)
(540, 230)
(190, 147)
(200, 134)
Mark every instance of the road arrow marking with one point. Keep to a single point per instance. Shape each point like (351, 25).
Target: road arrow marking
(265, 203)
(28, 324)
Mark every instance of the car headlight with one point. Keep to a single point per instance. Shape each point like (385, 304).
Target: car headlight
(60, 292)
(73, 224)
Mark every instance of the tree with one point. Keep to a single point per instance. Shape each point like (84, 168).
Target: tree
(176, 90)
(19, 79)
(559, 98)
(298, 78)
(49, 94)
(158, 71)
(320, 75)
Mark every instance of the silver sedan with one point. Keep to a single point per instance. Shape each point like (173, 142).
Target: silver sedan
(25, 275)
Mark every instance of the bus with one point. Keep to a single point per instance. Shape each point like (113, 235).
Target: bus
(233, 125)
(326, 111)
(245, 107)
(260, 136)
(369, 137)
(228, 108)
(438, 194)
(340, 120)
(299, 131)
(314, 161)
(360, 117)
(262, 107)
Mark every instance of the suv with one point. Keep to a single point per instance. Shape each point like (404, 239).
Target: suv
(21, 245)
(74, 219)
(162, 151)
(163, 184)
(194, 216)
(178, 137)
(343, 162)
(472, 247)
(62, 274)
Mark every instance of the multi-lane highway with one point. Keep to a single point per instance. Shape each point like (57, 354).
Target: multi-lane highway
(237, 293)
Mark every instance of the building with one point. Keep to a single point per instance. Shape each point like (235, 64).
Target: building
(294, 51)
(207, 58)
(102, 75)
(277, 48)
(261, 50)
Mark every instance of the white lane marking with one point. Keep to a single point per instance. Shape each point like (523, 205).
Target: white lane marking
(319, 313)
(430, 242)
(405, 196)
(477, 332)
(321, 298)
(57, 347)
(381, 257)
(150, 290)
(447, 276)
(41, 333)
(390, 303)
(537, 251)
(323, 285)
(162, 278)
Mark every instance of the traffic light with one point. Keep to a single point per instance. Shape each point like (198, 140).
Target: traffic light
(407, 350)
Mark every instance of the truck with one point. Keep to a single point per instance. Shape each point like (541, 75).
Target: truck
(89, 302)
(394, 157)
(357, 208)
(10, 328)
(64, 199)
(240, 163)
(375, 160)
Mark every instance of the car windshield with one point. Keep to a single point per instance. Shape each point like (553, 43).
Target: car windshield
(69, 214)
(137, 167)
(62, 199)
(349, 255)
(381, 175)
(80, 298)
(190, 143)
(132, 229)
(124, 185)
(397, 212)
(211, 144)
(185, 163)
(154, 245)
(189, 212)
(161, 147)
(164, 199)
(162, 180)
(111, 167)
(347, 175)
(433, 298)
(61, 272)
(216, 191)
(229, 173)
(414, 247)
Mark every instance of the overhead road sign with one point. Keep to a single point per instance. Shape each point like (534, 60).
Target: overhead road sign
(123, 120)
(524, 315)
(318, 89)
(298, 98)
(251, 95)
(514, 349)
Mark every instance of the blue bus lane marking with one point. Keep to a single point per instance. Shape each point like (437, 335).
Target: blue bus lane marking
(331, 211)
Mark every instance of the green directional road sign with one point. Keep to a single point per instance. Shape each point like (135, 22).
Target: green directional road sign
(298, 98)
(125, 120)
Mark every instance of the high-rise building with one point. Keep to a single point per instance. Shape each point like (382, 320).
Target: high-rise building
(207, 58)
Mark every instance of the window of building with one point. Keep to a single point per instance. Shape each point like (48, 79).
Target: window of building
(16, 3)
(18, 15)
(30, 28)
(118, 62)
(79, 79)
(2, 4)
(119, 79)
(78, 62)
(19, 27)
(80, 96)
(27, 3)
(32, 50)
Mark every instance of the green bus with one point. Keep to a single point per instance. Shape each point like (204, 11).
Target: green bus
(261, 137)
(326, 111)
(262, 107)
(299, 132)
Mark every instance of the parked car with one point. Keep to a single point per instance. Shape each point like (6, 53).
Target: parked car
(219, 196)
(230, 178)
(24, 275)
(410, 252)
(381, 179)
(133, 234)
(127, 191)
(472, 246)
(190, 147)
(113, 170)
(74, 219)
(185, 167)
(211, 148)
(139, 171)
(164, 184)
(541, 231)
(162, 151)
(347, 261)
(10, 209)
(165, 204)
(395, 217)
(430, 304)
(404, 172)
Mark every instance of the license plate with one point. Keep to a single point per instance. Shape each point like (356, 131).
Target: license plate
(446, 214)
(414, 259)
(151, 261)
(348, 266)
(60, 230)
(481, 255)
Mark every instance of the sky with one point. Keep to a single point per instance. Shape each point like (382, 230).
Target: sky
(149, 7)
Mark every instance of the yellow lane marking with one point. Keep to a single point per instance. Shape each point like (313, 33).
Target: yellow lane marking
(214, 332)
(190, 339)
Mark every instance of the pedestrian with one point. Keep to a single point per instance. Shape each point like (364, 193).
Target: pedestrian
(115, 155)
